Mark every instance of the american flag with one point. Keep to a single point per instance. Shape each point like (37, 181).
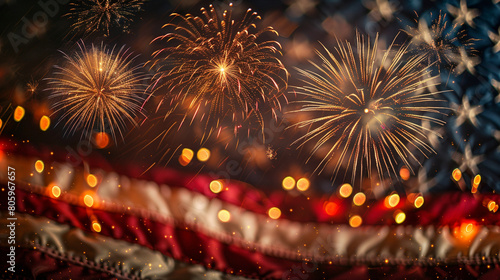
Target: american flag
(91, 206)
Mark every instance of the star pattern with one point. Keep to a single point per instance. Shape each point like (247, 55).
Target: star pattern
(496, 135)
(299, 8)
(424, 34)
(466, 62)
(466, 112)
(425, 183)
(463, 14)
(496, 85)
(433, 135)
(495, 38)
(431, 84)
(468, 161)
(381, 9)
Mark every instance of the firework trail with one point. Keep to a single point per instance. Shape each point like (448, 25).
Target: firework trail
(100, 15)
(97, 88)
(6, 112)
(370, 115)
(439, 42)
(219, 68)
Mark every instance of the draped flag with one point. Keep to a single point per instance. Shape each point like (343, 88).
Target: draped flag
(250, 140)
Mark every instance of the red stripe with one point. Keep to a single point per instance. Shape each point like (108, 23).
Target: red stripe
(185, 244)
(176, 241)
(439, 209)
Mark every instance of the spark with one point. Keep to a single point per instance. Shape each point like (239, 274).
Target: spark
(463, 14)
(466, 112)
(93, 15)
(271, 153)
(32, 86)
(221, 67)
(370, 116)
(97, 88)
(6, 113)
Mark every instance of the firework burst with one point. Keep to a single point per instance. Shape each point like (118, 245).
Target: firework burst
(220, 67)
(97, 88)
(366, 116)
(439, 42)
(93, 15)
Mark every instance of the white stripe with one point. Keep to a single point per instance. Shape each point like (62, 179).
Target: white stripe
(283, 238)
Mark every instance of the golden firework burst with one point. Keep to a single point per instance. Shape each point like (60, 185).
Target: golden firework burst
(367, 116)
(93, 15)
(97, 88)
(439, 42)
(220, 67)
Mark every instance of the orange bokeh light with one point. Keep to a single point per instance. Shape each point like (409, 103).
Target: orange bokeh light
(355, 221)
(19, 113)
(456, 174)
(96, 226)
(288, 183)
(392, 200)
(491, 205)
(101, 140)
(477, 180)
(44, 123)
(331, 208)
(56, 191)
(303, 184)
(404, 172)
(345, 190)
(186, 156)
(92, 180)
(419, 201)
(399, 216)
(224, 216)
(203, 154)
(88, 200)
(466, 231)
(274, 213)
(39, 166)
(215, 186)
(359, 199)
